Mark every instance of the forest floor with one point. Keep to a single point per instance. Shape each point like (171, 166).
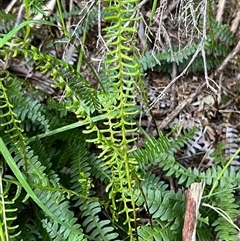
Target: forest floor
(208, 99)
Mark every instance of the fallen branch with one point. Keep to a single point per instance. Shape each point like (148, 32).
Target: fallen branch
(194, 195)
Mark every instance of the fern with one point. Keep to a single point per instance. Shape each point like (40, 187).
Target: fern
(7, 21)
(54, 199)
(121, 123)
(8, 210)
(165, 208)
(65, 170)
(84, 97)
(90, 207)
(224, 229)
(10, 122)
(29, 111)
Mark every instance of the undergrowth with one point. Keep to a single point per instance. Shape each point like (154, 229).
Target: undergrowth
(70, 169)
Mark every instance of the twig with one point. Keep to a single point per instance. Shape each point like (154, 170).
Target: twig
(235, 22)
(229, 57)
(10, 6)
(223, 214)
(221, 6)
(18, 21)
(174, 91)
(203, 50)
(170, 8)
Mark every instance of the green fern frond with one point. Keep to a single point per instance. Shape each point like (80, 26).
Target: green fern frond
(9, 120)
(26, 108)
(224, 229)
(7, 21)
(99, 230)
(166, 209)
(84, 97)
(112, 136)
(90, 209)
(160, 152)
(8, 210)
(147, 233)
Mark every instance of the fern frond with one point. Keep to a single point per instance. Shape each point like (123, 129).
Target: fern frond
(160, 152)
(8, 210)
(58, 205)
(112, 136)
(84, 97)
(90, 208)
(9, 120)
(217, 46)
(164, 207)
(26, 108)
(224, 229)
(53, 198)
(147, 233)
(99, 229)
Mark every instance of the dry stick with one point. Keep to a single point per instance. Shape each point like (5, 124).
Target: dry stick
(174, 91)
(235, 22)
(10, 6)
(171, 7)
(180, 107)
(229, 57)
(18, 21)
(221, 6)
(203, 50)
(194, 196)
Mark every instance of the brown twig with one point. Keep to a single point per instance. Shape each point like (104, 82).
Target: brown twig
(235, 51)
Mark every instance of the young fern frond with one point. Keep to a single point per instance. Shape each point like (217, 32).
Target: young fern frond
(64, 76)
(118, 104)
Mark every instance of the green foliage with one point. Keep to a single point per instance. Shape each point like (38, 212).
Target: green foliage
(88, 181)
(7, 22)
